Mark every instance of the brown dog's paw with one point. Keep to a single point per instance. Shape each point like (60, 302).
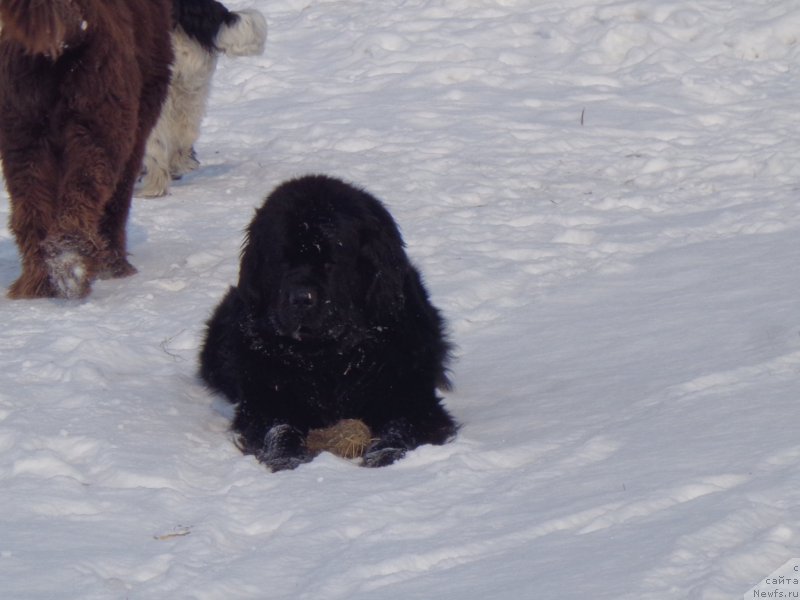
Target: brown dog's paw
(33, 283)
(113, 266)
(69, 262)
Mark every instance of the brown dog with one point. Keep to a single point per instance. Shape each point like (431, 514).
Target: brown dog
(81, 86)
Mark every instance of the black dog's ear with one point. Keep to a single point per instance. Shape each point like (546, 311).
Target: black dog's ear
(383, 267)
(256, 255)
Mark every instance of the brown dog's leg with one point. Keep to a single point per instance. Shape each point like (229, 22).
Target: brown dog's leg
(115, 215)
(34, 281)
(32, 180)
(113, 261)
(78, 248)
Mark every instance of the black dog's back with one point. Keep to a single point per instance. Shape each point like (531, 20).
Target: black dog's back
(363, 342)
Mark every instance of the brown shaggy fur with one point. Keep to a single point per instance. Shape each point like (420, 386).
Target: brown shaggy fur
(81, 86)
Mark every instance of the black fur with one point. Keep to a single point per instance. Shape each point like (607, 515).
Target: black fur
(329, 320)
(202, 19)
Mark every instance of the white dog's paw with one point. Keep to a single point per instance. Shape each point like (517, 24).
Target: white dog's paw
(184, 161)
(153, 184)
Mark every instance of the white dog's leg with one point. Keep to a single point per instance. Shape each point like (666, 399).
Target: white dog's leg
(169, 148)
(156, 176)
(192, 85)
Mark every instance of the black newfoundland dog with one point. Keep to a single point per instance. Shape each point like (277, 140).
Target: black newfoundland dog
(329, 321)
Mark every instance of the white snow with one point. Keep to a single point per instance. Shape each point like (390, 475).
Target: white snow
(603, 198)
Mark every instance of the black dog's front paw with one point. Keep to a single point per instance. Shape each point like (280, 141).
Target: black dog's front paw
(380, 456)
(395, 438)
(283, 448)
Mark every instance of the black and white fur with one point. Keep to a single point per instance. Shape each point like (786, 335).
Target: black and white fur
(203, 29)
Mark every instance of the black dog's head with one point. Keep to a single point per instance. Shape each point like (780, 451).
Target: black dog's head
(322, 261)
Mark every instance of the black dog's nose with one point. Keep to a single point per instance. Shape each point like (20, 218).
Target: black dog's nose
(303, 297)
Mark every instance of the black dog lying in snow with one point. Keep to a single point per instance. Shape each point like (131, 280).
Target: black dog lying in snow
(329, 321)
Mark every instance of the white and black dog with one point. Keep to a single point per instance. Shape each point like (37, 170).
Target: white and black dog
(202, 30)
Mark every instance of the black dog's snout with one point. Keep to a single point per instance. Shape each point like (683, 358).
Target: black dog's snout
(298, 313)
(303, 297)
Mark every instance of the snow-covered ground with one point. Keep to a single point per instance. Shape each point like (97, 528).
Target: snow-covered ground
(603, 197)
